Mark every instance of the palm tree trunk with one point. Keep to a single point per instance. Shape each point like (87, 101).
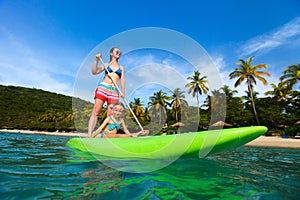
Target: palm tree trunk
(198, 109)
(176, 113)
(160, 117)
(253, 105)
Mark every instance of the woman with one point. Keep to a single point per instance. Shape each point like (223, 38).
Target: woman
(106, 90)
(111, 126)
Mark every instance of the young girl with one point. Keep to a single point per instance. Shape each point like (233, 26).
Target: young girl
(112, 125)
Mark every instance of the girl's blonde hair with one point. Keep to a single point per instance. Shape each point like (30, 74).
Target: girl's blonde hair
(118, 104)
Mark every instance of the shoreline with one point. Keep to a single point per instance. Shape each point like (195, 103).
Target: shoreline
(69, 134)
(262, 141)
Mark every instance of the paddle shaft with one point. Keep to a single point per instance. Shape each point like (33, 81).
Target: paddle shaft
(114, 82)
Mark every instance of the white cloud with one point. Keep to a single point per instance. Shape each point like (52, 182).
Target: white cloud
(277, 49)
(148, 73)
(23, 65)
(151, 78)
(269, 41)
(32, 78)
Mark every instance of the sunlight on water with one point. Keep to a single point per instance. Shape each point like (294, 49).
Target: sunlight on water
(42, 167)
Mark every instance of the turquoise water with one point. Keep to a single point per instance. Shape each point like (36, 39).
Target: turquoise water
(39, 167)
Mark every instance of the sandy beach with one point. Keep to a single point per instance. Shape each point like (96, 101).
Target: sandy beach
(275, 141)
(262, 141)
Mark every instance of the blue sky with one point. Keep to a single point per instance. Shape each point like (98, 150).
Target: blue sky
(47, 44)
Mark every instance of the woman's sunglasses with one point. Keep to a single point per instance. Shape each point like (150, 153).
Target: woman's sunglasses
(118, 52)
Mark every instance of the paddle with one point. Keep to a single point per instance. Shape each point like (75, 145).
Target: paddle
(121, 93)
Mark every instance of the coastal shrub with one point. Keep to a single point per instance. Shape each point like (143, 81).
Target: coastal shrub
(292, 130)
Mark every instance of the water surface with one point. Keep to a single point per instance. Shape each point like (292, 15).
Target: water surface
(42, 167)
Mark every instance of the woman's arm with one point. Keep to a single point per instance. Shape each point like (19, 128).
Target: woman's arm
(95, 68)
(122, 81)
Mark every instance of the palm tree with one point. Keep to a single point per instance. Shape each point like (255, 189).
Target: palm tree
(250, 73)
(207, 103)
(228, 92)
(216, 104)
(46, 117)
(217, 98)
(291, 75)
(69, 117)
(137, 108)
(281, 91)
(158, 103)
(295, 102)
(197, 86)
(147, 115)
(178, 101)
(211, 101)
(248, 99)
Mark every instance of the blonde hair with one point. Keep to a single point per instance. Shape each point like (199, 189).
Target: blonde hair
(119, 104)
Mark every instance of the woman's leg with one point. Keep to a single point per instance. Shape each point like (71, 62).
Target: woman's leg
(109, 110)
(94, 116)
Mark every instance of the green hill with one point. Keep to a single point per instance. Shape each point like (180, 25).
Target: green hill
(35, 109)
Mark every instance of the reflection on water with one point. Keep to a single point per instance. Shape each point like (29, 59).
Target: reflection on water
(42, 167)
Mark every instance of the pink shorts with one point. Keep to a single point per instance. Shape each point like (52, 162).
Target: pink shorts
(107, 93)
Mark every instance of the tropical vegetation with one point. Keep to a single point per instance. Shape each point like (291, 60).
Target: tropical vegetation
(279, 109)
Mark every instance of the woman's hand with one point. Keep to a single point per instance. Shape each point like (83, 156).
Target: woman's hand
(98, 56)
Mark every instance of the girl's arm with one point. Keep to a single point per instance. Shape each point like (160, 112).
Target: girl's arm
(101, 128)
(124, 127)
(143, 132)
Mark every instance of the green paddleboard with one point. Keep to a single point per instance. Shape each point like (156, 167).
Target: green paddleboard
(197, 144)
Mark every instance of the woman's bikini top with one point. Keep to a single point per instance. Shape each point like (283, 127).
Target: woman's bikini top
(118, 71)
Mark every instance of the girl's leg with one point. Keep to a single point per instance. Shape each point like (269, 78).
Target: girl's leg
(114, 135)
(123, 135)
(141, 133)
(94, 116)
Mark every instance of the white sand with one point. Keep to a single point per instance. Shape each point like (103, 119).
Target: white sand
(265, 141)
